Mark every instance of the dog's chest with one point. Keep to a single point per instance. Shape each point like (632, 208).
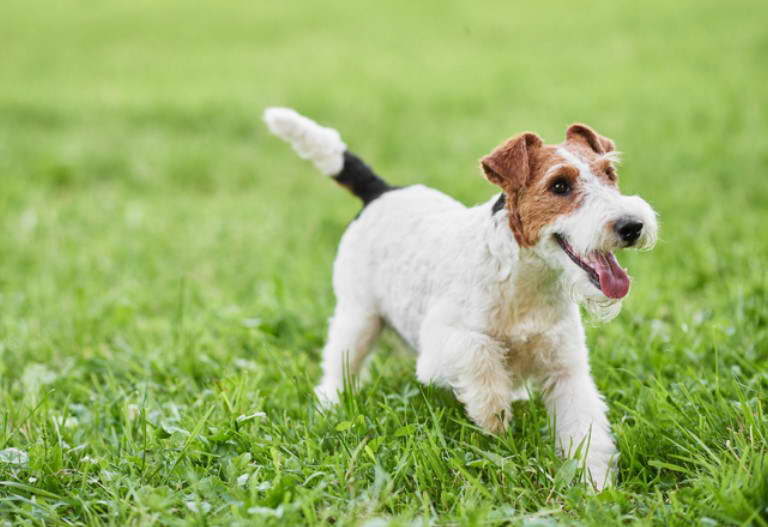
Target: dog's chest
(527, 321)
(529, 342)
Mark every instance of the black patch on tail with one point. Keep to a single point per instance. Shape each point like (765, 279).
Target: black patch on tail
(360, 180)
(499, 204)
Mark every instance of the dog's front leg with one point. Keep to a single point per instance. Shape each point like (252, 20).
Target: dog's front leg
(578, 413)
(472, 364)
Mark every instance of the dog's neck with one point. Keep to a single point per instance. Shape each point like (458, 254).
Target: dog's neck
(521, 268)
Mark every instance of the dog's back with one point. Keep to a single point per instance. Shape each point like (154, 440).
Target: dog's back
(384, 253)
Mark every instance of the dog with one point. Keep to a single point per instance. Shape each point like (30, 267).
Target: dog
(488, 296)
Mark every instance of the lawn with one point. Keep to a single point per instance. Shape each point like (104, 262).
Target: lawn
(165, 263)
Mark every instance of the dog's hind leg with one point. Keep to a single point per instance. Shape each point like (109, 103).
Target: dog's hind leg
(473, 365)
(351, 332)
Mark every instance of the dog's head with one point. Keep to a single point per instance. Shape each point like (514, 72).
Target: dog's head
(564, 204)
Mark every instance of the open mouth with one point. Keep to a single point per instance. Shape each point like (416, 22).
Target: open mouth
(601, 267)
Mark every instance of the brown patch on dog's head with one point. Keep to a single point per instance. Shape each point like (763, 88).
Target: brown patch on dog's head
(539, 183)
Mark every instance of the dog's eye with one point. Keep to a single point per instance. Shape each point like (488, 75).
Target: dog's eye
(560, 186)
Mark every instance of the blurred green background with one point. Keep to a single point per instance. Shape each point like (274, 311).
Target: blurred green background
(165, 264)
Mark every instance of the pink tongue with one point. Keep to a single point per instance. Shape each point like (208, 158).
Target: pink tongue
(613, 279)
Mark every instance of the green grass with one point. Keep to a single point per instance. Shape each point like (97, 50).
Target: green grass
(165, 265)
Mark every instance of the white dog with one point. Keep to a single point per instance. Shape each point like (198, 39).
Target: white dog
(487, 295)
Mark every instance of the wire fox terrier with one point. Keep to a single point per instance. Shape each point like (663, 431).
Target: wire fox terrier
(489, 296)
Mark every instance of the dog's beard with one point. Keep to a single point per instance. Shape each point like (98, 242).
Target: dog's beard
(600, 308)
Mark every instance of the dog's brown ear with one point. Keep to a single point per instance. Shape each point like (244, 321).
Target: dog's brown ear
(584, 134)
(509, 165)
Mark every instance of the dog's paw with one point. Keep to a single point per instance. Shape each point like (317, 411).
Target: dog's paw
(600, 475)
(521, 394)
(494, 423)
(327, 396)
(598, 456)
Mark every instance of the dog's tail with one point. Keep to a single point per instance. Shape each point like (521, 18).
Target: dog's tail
(324, 147)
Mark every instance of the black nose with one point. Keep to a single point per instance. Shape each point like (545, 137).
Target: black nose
(628, 229)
